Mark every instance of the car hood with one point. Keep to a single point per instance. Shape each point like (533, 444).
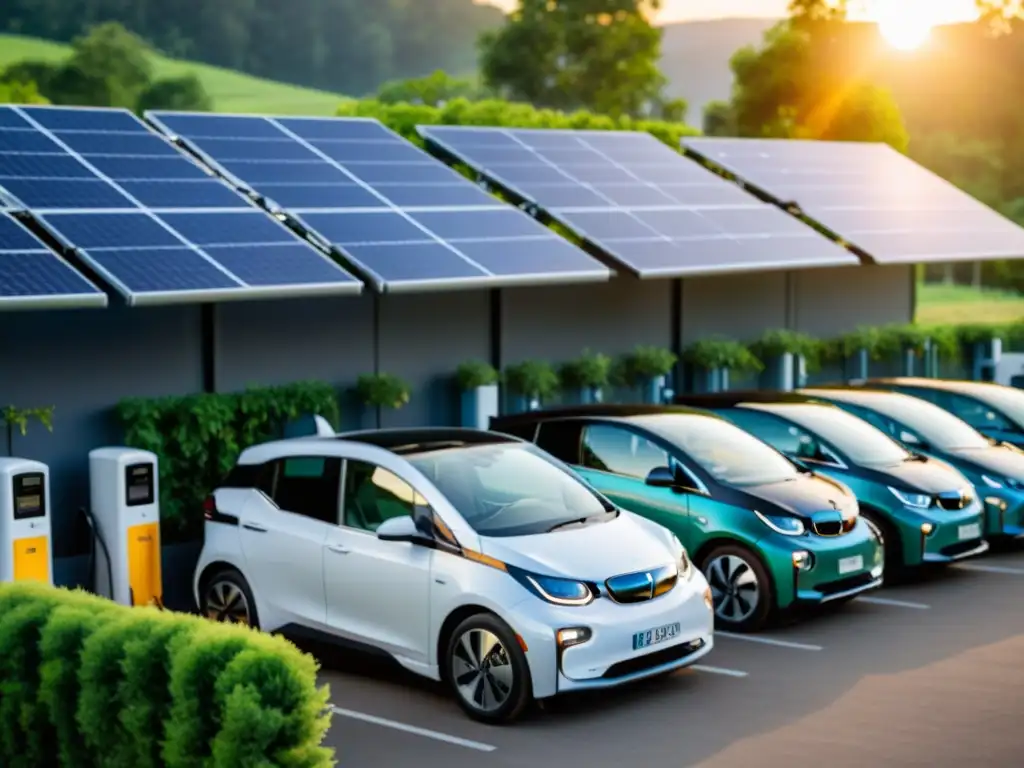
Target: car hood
(996, 460)
(593, 552)
(801, 497)
(928, 476)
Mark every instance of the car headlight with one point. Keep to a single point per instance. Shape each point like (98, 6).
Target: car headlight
(787, 526)
(910, 499)
(559, 591)
(683, 564)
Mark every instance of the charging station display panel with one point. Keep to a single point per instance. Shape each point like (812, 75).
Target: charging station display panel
(138, 482)
(29, 495)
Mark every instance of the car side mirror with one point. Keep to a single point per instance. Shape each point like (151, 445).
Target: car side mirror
(400, 529)
(661, 477)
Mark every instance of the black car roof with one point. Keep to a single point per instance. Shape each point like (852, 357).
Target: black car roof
(609, 411)
(403, 441)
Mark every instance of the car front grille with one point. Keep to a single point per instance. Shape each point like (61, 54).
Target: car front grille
(954, 500)
(843, 585)
(642, 585)
(828, 527)
(652, 660)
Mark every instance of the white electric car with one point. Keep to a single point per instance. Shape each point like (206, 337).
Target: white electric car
(468, 556)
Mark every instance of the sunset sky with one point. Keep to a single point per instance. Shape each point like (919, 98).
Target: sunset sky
(940, 11)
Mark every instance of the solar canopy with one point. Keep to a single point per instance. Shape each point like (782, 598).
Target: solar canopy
(147, 219)
(399, 216)
(654, 211)
(34, 277)
(871, 196)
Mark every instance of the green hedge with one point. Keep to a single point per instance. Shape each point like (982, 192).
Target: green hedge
(197, 439)
(86, 682)
(403, 118)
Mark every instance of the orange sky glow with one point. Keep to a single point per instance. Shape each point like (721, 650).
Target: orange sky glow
(940, 11)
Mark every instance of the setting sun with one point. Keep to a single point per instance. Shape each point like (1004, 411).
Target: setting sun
(905, 25)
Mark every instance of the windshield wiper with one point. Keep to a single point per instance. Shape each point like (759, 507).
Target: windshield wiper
(566, 523)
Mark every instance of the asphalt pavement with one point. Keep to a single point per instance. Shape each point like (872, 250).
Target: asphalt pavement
(930, 673)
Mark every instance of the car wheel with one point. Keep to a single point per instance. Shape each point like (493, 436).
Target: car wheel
(226, 597)
(741, 589)
(892, 546)
(487, 669)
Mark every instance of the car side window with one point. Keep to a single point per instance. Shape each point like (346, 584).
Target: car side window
(621, 452)
(304, 485)
(373, 494)
(876, 420)
(777, 433)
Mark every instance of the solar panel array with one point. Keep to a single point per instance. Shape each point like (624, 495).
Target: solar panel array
(871, 196)
(147, 219)
(656, 212)
(399, 216)
(33, 276)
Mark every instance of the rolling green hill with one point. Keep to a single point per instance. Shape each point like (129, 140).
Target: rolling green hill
(231, 91)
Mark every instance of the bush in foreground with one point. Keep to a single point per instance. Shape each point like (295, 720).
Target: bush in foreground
(85, 682)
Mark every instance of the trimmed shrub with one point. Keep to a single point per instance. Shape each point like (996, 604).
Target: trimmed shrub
(87, 683)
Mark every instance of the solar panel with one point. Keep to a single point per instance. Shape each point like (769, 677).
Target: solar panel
(34, 277)
(871, 196)
(401, 217)
(143, 215)
(646, 206)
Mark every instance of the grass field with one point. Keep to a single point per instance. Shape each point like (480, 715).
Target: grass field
(957, 304)
(231, 91)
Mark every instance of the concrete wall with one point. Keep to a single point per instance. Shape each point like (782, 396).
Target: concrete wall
(734, 306)
(830, 302)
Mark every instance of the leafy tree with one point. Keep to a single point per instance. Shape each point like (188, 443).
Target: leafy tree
(20, 92)
(719, 119)
(112, 54)
(433, 90)
(184, 93)
(600, 55)
(802, 83)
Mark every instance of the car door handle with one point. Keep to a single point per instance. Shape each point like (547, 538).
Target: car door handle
(340, 549)
(254, 527)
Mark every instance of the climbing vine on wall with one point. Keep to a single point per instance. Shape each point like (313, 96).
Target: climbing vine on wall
(197, 439)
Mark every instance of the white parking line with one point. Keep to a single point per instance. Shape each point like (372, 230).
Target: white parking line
(893, 603)
(719, 671)
(770, 641)
(989, 568)
(436, 735)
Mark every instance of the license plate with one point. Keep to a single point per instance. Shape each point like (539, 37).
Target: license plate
(851, 564)
(654, 636)
(972, 531)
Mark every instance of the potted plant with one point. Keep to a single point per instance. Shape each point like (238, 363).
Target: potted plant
(18, 418)
(716, 358)
(381, 390)
(787, 356)
(855, 350)
(531, 382)
(647, 367)
(587, 376)
(478, 389)
(985, 343)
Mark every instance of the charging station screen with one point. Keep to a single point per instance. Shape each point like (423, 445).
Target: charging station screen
(138, 482)
(29, 496)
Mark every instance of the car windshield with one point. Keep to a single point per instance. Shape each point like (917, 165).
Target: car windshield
(724, 451)
(862, 443)
(511, 489)
(1009, 400)
(937, 427)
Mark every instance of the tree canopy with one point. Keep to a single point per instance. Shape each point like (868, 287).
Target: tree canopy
(600, 55)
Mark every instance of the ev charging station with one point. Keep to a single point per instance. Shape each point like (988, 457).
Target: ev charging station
(25, 552)
(124, 494)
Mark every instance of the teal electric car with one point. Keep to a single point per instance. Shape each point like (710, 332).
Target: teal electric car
(927, 511)
(995, 469)
(766, 534)
(992, 409)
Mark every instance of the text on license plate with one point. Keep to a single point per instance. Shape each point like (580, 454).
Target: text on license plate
(655, 635)
(972, 531)
(851, 564)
